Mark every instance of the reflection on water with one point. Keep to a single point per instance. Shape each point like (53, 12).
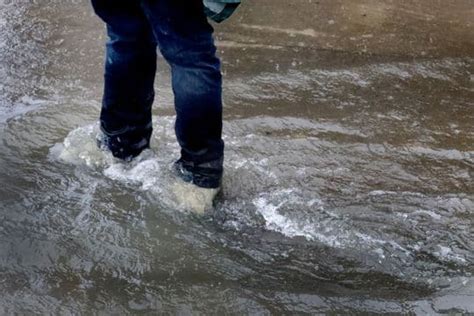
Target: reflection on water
(348, 184)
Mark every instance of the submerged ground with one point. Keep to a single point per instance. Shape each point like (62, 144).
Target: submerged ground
(349, 172)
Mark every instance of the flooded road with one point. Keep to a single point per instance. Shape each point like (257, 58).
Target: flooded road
(349, 168)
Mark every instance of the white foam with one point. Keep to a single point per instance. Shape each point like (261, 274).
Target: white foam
(277, 222)
(404, 193)
(429, 213)
(153, 175)
(380, 253)
(269, 205)
(145, 173)
(334, 231)
(446, 253)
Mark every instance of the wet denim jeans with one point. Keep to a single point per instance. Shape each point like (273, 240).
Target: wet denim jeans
(179, 28)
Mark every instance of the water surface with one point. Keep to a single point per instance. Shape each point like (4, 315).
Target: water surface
(349, 170)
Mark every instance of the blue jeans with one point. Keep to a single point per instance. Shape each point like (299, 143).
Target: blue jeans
(179, 28)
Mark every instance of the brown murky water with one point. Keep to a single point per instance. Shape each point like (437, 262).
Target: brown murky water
(349, 172)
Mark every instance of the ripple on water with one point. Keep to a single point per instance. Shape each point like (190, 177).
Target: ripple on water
(299, 200)
(296, 202)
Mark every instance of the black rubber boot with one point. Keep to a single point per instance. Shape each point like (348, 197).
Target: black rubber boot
(205, 175)
(124, 148)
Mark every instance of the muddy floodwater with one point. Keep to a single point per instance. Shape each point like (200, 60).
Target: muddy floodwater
(349, 185)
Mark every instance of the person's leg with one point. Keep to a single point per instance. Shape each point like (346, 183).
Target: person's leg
(185, 40)
(130, 68)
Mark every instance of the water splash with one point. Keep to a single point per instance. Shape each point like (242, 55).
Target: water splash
(148, 171)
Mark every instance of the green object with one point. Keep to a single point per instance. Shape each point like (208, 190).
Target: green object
(219, 10)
